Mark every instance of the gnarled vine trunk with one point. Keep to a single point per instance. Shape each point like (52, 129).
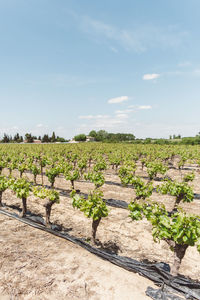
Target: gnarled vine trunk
(24, 207)
(95, 224)
(48, 207)
(72, 184)
(178, 200)
(1, 193)
(41, 171)
(52, 184)
(179, 253)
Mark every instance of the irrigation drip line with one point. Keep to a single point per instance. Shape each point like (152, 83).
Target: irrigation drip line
(158, 273)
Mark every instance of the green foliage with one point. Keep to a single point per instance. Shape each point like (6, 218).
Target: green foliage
(34, 169)
(115, 161)
(43, 161)
(82, 164)
(100, 166)
(21, 187)
(144, 191)
(154, 168)
(189, 177)
(72, 175)
(95, 177)
(136, 210)
(4, 183)
(29, 137)
(179, 227)
(22, 167)
(2, 164)
(94, 207)
(65, 168)
(93, 134)
(80, 137)
(52, 173)
(49, 194)
(181, 190)
(126, 174)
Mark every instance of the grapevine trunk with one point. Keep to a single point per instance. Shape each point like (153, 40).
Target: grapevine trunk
(24, 207)
(95, 224)
(179, 252)
(48, 206)
(42, 175)
(72, 184)
(1, 198)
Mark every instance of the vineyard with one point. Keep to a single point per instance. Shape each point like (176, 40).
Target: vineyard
(138, 201)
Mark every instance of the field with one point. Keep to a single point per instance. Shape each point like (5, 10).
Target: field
(101, 173)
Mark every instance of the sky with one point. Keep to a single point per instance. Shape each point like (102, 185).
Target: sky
(121, 66)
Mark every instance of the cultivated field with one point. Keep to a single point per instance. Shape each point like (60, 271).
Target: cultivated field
(98, 174)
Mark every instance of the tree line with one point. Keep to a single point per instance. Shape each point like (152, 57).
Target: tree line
(104, 136)
(29, 138)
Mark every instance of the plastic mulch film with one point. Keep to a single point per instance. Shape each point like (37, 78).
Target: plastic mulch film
(158, 273)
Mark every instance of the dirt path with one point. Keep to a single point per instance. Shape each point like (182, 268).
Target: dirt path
(37, 265)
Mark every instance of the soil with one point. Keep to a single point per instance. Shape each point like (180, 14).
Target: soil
(36, 263)
(38, 266)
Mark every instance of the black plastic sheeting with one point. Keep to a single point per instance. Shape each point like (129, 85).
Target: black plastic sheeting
(158, 273)
(162, 294)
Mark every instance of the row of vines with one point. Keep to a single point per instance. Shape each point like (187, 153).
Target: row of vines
(90, 163)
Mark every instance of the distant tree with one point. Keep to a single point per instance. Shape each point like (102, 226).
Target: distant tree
(147, 141)
(80, 137)
(16, 138)
(93, 134)
(60, 139)
(6, 138)
(176, 136)
(101, 135)
(46, 139)
(29, 138)
(53, 138)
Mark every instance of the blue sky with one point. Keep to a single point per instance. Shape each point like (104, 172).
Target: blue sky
(123, 66)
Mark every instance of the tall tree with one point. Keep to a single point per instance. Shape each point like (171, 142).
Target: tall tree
(53, 138)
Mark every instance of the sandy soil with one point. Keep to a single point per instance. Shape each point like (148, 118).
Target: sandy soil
(36, 265)
(117, 232)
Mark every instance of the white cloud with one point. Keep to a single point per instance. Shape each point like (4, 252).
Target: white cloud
(138, 39)
(145, 107)
(118, 99)
(111, 123)
(150, 76)
(91, 117)
(122, 116)
(124, 111)
(136, 107)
